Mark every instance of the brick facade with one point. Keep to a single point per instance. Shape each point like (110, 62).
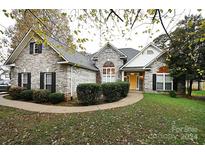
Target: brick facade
(148, 74)
(47, 62)
(109, 54)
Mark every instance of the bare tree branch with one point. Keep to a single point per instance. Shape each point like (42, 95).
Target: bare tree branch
(160, 18)
(155, 14)
(109, 15)
(112, 11)
(136, 18)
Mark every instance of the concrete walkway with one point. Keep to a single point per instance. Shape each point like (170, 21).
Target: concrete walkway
(132, 98)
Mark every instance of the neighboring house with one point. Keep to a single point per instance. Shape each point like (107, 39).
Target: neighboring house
(4, 73)
(57, 69)
(198, 85)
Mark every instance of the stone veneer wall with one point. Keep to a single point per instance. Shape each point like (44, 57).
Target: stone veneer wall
(80, 75)
(112, 56)
(47, 62)
(148, 74)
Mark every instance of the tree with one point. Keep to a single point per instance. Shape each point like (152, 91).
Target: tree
(186, 50)
(53, 23)
(161, 41)
(107, 21)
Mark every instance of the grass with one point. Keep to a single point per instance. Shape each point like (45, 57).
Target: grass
(198, 93)
(157, 119)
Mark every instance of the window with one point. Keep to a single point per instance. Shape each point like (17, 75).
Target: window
(164, 82)
(160, 81)
(149, 52)
(108, 50)
(35, 48)
(108, 72)
(48, 81)
(24, 80)
(168, 82)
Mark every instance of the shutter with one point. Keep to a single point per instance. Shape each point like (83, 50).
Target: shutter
(29, 81)
(154, 81)
(19, 79)
(31, 47)
(53, 82)
(39, 48)
(41, 80)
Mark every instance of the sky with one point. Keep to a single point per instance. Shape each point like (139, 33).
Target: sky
(137, 41)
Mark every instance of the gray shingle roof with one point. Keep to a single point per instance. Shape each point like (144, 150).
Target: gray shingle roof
(77, 58)
(84, 60)
(129, 52)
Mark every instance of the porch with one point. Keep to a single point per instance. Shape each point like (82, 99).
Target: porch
(135, 78)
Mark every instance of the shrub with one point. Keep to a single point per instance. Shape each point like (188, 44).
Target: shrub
(111, 91)
(88, 93)
(27, 95)
(124, 87)
(41, 96)
(15, 92)
(172, 94)
(7, 89)
(55, 98)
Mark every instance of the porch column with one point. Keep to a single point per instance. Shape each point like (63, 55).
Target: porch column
(123, 73)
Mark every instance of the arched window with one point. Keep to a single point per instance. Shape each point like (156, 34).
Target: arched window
(108, 72)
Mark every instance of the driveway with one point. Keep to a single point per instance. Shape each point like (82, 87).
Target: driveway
(132, 98)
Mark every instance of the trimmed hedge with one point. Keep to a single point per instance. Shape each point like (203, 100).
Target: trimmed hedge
(27, 95)
(88, 93)
(15, 92)
(173, 94)
(111, 91)
(114, 91)
(55, 98)
(41, 96)
(125, 86)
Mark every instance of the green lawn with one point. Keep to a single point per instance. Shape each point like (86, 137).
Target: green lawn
(198, 93)
(157, 119)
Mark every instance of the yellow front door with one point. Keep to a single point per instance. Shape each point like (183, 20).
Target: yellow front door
(133, 81)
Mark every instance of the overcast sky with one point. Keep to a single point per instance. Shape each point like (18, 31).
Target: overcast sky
(136, 41)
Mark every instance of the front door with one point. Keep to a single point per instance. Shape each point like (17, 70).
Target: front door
(133, 81)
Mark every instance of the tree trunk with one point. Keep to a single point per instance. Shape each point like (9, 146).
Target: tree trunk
(190, 87)
(199, 85)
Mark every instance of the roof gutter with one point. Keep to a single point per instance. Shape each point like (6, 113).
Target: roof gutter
(10, 65)
(135, 69)
(63, 62)
(71, 82)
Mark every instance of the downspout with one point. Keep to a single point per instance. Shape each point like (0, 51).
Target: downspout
(71, 84)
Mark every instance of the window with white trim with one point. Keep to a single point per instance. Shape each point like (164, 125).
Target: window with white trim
(24, 80)
(150, 52)
(164, 82)
(108, 72)
(48, 81)
(35, 48)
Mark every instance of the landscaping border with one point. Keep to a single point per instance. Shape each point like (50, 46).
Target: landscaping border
(132, 98)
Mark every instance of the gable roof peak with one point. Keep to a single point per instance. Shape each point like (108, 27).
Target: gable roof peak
(61, 49)
(111, 45)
